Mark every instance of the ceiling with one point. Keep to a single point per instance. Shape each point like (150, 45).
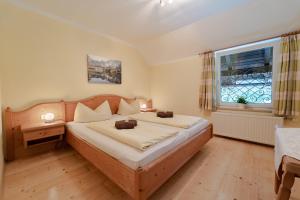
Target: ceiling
(179, 30)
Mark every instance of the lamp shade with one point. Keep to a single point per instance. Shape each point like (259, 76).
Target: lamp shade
(48, 117)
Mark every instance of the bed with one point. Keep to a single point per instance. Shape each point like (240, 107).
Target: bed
(127, 155)
(137, 173)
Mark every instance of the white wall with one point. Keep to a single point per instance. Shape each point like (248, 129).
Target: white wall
(44, 59)
(175, 86)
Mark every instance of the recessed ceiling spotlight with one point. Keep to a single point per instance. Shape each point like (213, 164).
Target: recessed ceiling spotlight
(163, 3)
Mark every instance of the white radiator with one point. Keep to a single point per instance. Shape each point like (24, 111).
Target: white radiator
(255, 128)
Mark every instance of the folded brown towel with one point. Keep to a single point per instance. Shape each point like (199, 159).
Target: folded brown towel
(133, 121)
(125, 124)
(167, 114)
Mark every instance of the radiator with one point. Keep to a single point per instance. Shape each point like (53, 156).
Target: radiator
(255, 128)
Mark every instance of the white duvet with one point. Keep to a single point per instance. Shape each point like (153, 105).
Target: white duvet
(128, 155)
(143, 136)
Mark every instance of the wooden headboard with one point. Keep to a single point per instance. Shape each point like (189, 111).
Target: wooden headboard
(93, 103)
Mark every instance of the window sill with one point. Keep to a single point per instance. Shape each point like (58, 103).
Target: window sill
(249, 109)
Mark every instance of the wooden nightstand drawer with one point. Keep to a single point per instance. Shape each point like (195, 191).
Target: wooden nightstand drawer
(33, 135)
(42, 133)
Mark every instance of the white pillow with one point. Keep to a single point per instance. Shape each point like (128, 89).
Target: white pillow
(128, 109)
(104, 108)
(85, 114)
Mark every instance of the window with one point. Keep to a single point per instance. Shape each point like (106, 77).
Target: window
(247, 71)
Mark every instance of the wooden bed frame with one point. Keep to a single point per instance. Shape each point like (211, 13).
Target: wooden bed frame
(139, 183)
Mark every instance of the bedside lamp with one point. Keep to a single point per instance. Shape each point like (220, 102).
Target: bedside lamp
(48, 117)
(142, 101)
(143, 106)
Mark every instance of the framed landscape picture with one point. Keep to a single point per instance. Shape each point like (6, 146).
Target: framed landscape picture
(102, 70)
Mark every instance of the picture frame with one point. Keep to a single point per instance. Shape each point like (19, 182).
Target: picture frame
(103, 70)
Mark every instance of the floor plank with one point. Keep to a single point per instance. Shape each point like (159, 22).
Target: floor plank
(223, 169)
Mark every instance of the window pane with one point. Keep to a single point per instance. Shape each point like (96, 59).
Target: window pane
(247, 74)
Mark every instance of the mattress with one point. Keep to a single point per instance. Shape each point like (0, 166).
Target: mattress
(130, 156)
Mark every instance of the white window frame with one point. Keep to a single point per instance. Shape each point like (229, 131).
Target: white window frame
(275, 43)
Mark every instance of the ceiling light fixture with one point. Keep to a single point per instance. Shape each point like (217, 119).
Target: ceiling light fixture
(163, 3)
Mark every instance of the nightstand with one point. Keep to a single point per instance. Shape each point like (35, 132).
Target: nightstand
(148, 110)
(41, 133)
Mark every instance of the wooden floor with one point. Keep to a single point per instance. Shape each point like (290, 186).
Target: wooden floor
(224, 169)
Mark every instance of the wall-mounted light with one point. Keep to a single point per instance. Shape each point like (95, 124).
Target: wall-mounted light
(48, 117)
(163, 3)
